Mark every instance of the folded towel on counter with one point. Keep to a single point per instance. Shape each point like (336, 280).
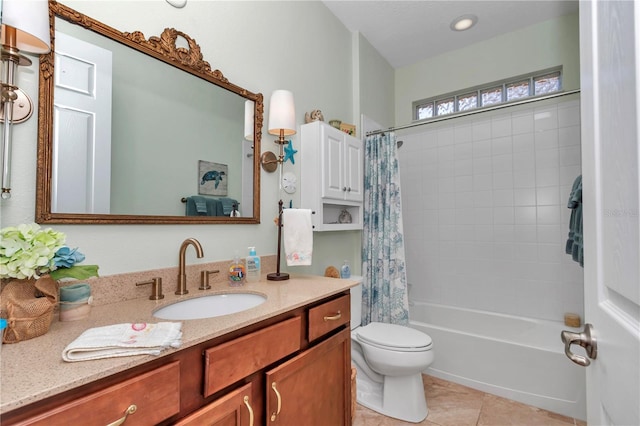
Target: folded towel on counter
(298, 236)
(124, 340)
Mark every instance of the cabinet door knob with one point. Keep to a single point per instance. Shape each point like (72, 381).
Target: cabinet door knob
(349, 189)
(274, 415)
(132, 409)
(344, 188)
(246, 402)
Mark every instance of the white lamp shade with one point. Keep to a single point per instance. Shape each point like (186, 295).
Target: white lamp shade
(282, 113)
(30, 18)
(248, 120)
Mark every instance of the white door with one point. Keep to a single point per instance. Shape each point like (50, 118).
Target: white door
(82, 119)
(609, 43)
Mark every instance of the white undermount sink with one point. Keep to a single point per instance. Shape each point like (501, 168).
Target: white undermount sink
(211, 306)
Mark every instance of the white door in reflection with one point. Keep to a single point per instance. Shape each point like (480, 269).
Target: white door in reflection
(81, 177)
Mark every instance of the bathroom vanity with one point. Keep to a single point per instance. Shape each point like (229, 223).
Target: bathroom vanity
(285, 360)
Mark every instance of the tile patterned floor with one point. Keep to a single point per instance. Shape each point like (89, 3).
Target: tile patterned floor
(451, 404)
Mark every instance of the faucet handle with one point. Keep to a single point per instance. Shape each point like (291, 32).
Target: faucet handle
(204, 279)
(156, 288)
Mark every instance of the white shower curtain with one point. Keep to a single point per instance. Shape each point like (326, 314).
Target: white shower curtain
(384, 288)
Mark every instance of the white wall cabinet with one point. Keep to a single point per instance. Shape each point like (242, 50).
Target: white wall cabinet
(332, 176)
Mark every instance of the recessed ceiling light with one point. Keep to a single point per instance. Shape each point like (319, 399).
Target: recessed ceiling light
(463, 22)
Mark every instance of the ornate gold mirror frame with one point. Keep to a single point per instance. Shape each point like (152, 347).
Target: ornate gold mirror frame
(164, 49)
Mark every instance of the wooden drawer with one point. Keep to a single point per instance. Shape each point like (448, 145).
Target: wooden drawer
(229, 362)
(329, 316)
(156, 396)
(234, 409)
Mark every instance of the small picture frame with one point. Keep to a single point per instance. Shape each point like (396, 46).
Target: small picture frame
(212, 178)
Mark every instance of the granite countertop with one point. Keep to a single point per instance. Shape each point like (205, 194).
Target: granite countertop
(33, 370)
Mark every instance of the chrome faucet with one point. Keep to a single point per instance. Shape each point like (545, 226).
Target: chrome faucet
(182, 275)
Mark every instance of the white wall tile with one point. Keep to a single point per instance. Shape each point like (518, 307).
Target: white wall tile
(485, 203)
(524, 161)
(464, 151)
(463, 133)
(500, 126)
(525, 215)
(481, 130)
(547, 177)
(568, 115)
(501, 145)
(570, 156)
(548, 195)
(569, 136)
(481, 148)
(503, 197)
(482, 165)
(524, 197)
(546, 139)
(545, 118)
(464, 167)
(523, 143)
(502, 163)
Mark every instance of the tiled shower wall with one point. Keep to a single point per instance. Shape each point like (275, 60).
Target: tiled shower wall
(484, 201)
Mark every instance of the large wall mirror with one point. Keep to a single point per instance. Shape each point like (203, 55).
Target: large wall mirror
(141, 131)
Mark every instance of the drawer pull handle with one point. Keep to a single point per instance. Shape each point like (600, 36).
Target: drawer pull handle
(132, 409)
(246, 402)
(333, 318)
(274, 415)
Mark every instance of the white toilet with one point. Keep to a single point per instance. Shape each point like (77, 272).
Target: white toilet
(389, 360)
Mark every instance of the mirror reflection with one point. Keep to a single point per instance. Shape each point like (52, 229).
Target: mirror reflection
(131, 138)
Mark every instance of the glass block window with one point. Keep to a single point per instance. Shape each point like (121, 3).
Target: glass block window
(425, 111)
(445, 106)
(468, 101)
(518, 90)
(490, 94)
(547, 83)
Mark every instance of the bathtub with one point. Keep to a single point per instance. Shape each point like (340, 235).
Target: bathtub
(517, 358)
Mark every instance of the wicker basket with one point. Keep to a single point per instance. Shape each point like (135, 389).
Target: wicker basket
(28, 307)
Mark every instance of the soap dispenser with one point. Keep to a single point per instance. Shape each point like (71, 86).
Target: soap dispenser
(237, 272)
(253, 266)
(345, 270)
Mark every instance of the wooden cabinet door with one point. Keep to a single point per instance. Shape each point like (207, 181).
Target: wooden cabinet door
(312, 389)
(233, 409)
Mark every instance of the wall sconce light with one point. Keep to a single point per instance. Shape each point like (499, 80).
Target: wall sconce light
(25, 28)
(282, 122)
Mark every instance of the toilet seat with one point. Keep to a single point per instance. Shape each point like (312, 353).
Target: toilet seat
(394, 337)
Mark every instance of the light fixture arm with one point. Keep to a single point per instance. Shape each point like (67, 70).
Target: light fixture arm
(11, 59)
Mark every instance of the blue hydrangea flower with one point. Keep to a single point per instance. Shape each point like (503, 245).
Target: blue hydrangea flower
(66, 257)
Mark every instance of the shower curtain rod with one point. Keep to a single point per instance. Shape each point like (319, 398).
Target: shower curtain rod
(477, 111)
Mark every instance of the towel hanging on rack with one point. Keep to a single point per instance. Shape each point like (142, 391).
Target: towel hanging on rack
(298, 236)
(575, 241)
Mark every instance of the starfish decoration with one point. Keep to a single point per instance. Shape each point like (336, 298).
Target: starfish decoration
(289, 152)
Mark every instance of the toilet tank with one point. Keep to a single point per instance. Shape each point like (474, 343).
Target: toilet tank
(356, 303)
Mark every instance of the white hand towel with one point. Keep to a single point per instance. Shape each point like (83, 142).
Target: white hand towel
(298, 236)
(124, 340)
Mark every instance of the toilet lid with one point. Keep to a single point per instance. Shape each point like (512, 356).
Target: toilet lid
(394, 337)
